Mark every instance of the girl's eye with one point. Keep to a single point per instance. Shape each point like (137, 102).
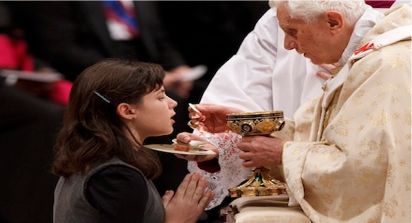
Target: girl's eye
(162, 97)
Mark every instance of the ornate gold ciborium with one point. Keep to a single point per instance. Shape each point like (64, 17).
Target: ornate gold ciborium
(260, 183)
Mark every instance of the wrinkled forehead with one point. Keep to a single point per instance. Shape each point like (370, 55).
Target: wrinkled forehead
(285, 19)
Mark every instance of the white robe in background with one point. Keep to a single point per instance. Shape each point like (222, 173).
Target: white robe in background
(263, 75)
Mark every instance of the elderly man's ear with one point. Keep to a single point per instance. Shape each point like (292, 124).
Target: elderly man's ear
(335, 21)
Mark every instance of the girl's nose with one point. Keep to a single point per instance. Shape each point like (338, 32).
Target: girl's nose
(172, 103)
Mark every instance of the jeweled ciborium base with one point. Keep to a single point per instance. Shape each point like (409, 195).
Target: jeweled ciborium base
(260, 183)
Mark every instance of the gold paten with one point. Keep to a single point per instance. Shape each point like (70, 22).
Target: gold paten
(260, 183)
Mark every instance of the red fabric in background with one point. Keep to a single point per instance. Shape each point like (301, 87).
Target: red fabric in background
(7, 54)
(13, 54)
(380, 4)
(60, 92)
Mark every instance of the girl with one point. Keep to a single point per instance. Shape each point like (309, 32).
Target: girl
(105, 172)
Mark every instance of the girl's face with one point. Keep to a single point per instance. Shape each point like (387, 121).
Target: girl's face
(154, 114)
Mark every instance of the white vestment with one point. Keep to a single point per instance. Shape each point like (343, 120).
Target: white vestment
(353, 162)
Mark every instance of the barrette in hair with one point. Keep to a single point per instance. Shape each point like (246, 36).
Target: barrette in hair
(102, 97)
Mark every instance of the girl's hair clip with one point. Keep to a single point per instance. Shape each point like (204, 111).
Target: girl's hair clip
(102, 97)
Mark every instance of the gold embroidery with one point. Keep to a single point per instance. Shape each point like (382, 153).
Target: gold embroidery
(366, 175)
(381, 119)
(350, 79)
(366, 148)
(396, 115)
(360, 94)
(341, 129)
(379, 84)
(373, 220)
(361, 127)
(367, 73)
(398, 63)
(389, 208)
(330, 109)
(407, 185)
(389, 175)
(326, 182)
(358, 162)
(388, 88)
(408, 137)
(407, 118)
(343, 145)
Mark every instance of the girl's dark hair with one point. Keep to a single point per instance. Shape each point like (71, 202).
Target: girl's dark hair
(92, 132)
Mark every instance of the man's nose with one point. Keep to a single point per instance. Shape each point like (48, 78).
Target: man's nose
(289, 44)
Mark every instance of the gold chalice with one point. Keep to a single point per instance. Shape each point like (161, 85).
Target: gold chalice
(260, 183)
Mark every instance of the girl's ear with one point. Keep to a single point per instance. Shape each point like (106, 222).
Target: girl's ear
(126, 111)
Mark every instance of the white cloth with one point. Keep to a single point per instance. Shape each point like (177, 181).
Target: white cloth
(261, 76)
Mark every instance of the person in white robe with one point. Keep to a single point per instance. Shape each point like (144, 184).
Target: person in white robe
(349, 157)
(262, 76)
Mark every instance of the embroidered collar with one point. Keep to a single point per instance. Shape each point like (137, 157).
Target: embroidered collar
(385, 39)
(365, 23)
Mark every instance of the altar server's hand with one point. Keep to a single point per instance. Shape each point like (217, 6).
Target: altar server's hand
(261, 151)
(210, 118)
(189, 201)
(186, 137)
(173, 82)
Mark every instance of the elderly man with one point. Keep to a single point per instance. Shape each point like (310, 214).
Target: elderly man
(349, 157)
(261, 76)
(354, 165)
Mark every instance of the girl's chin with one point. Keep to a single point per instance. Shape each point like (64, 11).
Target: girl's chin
(170, 131)
(165, 132)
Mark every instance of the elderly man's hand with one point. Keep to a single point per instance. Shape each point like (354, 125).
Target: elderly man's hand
(261, 151)
(209, 117)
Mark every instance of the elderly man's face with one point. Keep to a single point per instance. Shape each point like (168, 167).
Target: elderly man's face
(314, 40)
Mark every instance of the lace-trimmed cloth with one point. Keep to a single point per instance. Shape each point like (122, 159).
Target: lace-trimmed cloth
(231, 173)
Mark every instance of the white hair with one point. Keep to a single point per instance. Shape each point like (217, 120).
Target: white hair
(307, 10)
